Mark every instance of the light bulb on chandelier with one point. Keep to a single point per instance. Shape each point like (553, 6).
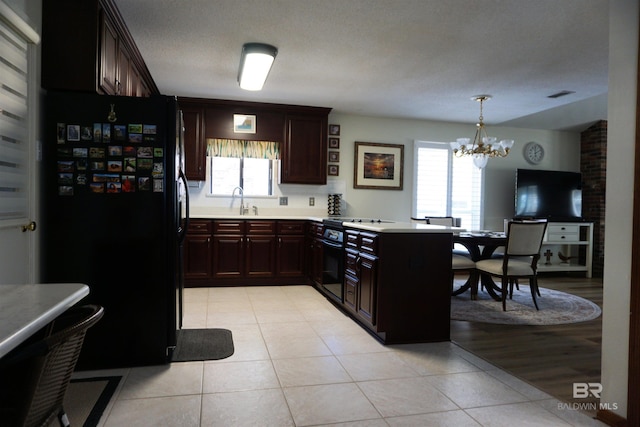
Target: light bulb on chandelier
(482, 147)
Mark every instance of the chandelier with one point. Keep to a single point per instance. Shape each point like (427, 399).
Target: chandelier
(482, 147)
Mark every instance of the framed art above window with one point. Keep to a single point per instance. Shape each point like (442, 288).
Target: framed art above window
(243, 123)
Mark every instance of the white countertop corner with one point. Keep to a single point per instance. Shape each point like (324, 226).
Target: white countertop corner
(27, 308)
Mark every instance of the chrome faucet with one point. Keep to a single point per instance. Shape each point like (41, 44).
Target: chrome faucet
(233, 194)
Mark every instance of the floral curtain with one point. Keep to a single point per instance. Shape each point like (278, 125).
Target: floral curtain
(241, 148)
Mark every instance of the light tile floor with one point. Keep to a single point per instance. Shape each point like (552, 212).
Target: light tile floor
(299, 361)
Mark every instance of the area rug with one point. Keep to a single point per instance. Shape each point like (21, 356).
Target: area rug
(87, 398)
(556, 308)
(203, 344)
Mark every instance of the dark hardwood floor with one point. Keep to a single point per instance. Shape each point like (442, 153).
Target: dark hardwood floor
(551, 358)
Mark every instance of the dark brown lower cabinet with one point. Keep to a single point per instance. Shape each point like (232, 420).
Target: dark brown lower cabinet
(197, 257)
(198, 250)
(314, 253)
(246, 252)
(260, 256)
(360, 279)
(291, 256)
(228, 256)
(398, 285)
(239, 256)
(244, 249)
(291, 252)
(366, 301)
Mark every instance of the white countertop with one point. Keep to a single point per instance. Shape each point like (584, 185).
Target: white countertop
(402, 227)
(25, 309)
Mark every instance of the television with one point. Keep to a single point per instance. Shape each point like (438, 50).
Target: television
(552, 195)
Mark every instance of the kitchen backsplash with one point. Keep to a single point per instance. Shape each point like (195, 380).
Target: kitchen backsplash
(289, 200)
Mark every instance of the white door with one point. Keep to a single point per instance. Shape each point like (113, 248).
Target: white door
(18, 121)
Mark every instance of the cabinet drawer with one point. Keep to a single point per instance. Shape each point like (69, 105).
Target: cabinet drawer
(228, 227)
(563, 229)
(317, 229)
(563, 237)
(261, 227)
(200, 226)
(290, 227)
(351, 239)
(351, 262)
(369, 243)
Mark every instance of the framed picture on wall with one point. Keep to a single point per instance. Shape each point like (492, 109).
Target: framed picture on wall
(334, 130)
(378, 166)
(333, 170)
(334, 142)
(243, 123)
(334, 156)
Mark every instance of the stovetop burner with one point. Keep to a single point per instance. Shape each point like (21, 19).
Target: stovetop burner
(371, 220)
(337, 221)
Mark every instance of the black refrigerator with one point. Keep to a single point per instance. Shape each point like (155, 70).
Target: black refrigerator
(114, 213)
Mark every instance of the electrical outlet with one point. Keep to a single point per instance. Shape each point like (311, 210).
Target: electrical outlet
(312, 201)
(284, 201)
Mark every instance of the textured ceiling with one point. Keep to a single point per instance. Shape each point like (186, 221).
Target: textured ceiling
(419, 59)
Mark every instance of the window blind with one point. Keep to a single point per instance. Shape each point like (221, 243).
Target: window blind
(446, 186)
(15, 37)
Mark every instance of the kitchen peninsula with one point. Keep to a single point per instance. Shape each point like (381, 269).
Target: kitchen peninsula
(396, 281)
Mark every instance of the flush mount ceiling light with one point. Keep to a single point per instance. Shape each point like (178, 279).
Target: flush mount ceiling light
(255, 63)
(483, 147)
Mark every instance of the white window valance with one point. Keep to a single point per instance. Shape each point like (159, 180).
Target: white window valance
(217, 147)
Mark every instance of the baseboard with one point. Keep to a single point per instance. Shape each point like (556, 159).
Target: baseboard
(611, 419)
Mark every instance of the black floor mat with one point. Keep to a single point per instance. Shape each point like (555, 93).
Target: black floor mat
(203, 344)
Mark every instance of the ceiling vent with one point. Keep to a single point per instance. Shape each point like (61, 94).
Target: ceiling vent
(561, 93)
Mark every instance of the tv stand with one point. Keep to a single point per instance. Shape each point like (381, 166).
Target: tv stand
(567, 246)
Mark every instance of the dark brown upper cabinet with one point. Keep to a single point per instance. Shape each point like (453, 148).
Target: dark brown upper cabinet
(195, 146)
(301, 132)
(304, 152)
(87, 47)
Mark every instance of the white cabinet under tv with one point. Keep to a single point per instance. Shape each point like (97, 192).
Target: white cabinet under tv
(567, 246)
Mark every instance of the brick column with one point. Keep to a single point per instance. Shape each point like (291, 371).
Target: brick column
(593, 165)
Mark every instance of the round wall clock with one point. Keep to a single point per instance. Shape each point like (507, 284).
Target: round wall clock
(533, 153)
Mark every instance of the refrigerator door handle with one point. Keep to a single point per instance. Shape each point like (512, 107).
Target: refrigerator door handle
(182, 231)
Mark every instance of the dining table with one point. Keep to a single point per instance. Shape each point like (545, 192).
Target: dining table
(27, 308)
(480, 245)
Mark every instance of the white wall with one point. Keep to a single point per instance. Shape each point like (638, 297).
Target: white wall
(562, 152)
(623, 74)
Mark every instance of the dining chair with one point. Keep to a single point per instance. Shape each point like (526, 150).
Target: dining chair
(39, 372)
(464, 264)
(460, 259)
(448, 221)
(520, 259)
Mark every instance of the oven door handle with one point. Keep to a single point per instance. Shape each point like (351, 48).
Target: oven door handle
(332, 244)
